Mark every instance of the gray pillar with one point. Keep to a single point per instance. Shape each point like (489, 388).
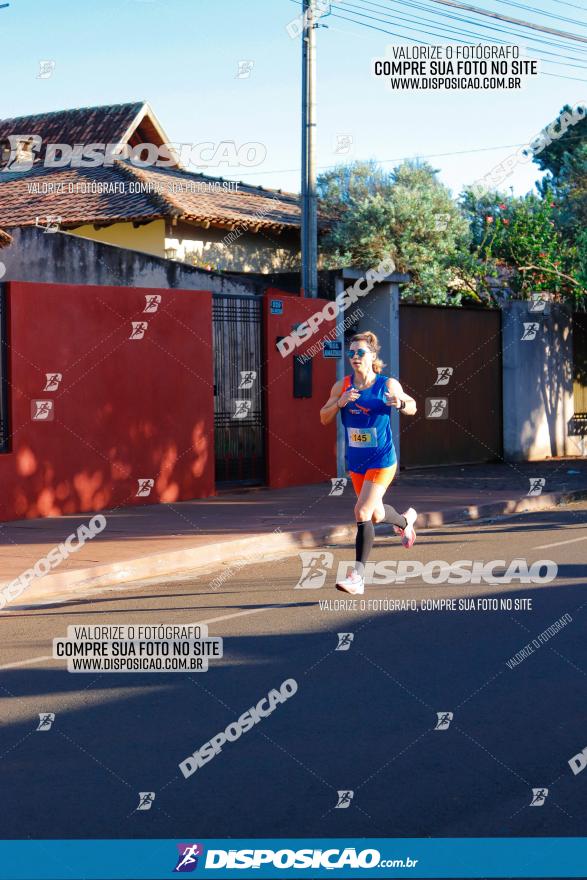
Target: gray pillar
(537, 355)
(380, 310)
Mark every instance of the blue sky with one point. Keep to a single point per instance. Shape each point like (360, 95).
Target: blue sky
(182, 56)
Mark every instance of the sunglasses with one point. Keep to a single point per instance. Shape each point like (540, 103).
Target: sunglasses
(360, 353)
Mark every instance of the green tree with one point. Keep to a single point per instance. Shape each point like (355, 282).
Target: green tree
(564, 158)
(515, 240)
(351, 183)
(581, 262)
(567, 136)
(406, 213)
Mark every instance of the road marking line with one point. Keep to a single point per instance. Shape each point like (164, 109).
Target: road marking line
(25, 662)
(560, 543)
(199, 622)
(238, 614)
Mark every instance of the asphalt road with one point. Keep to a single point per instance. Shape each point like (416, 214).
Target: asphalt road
(362, 720)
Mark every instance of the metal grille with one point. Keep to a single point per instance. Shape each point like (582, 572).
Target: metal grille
(4, 435)
(238, 410)
(577, 426)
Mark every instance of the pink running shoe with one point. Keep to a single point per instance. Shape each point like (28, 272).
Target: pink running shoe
(409, 533)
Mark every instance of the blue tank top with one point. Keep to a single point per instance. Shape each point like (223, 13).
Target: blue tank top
(369, 442)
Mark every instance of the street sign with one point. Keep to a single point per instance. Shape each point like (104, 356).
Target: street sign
(277, 307)
(332, 349)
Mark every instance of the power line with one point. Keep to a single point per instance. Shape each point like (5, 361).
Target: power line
(459, 18)
(462, 32)
(543, 12)
(358, 33)
(560, 76)
(424, 43)
(477, 24)
(419, 156)
(438, 12)
(420, 29)
(572, 5)
(535, 27)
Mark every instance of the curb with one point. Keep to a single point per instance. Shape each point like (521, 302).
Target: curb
(67, 584)
(511, 507)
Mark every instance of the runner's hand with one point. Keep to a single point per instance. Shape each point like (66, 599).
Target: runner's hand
(349, 395)
(392, 400)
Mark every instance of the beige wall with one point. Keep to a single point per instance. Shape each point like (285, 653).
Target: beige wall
(209, 248)
(225, 250)
(149, 238)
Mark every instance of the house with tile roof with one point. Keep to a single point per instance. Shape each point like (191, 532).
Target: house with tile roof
(166, 209)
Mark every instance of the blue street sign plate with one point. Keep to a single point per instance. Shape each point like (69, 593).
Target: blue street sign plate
(332, 349)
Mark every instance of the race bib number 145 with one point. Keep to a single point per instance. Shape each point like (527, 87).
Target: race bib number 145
(363, 437)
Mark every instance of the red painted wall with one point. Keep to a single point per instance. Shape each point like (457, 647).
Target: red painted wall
(299, 449)
(125, 409)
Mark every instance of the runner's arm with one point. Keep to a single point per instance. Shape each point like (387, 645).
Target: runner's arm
(397, 395)
(330, 409)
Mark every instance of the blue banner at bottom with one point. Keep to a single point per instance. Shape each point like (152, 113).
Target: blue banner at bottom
(527, 857)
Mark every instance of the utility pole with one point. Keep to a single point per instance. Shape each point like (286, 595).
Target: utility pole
(309, 236)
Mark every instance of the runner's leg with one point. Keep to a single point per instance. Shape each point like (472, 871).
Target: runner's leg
(368, 502)
(384, 477)
(353, 583)
(403, 523)
(394, 518)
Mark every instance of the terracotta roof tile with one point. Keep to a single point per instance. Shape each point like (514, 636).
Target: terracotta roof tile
(67, 193)
(170, 192)
(4, 238)
(200, 198)
(101, 125)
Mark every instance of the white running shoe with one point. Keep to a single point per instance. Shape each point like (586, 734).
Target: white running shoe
(409, 533)
(353, 584)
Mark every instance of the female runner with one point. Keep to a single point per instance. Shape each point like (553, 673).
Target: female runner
(364, 401)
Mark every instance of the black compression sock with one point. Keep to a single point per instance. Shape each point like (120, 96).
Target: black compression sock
(393, 517)
(364, 541)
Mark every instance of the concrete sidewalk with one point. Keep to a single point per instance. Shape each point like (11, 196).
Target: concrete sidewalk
(158, 540)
